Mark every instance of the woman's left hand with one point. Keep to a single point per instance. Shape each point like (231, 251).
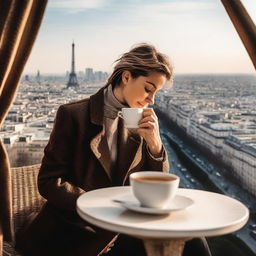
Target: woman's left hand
(149, 130)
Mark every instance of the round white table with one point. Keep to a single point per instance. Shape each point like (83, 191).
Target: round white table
(211, 214)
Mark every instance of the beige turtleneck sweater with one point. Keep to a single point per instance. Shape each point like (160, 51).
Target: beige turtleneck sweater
(111, 108)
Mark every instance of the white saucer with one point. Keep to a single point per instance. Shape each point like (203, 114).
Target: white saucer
(177, 204)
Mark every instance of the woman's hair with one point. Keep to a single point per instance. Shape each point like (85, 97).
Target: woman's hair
(140, 61)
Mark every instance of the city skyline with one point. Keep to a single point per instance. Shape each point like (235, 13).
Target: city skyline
(197, 35)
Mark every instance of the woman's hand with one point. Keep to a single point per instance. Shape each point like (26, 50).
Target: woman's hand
(149, 130)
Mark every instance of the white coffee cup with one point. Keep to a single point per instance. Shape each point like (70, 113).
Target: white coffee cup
(131, 116)
(154, 189)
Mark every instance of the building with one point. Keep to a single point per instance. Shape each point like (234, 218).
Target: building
(89, 76)
(24, 149)
(239, 151)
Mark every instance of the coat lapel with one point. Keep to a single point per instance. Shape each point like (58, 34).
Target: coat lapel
(99, 145)
(100, 149)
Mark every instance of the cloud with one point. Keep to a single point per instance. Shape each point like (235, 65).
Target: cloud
(178, 7)
(77, 5)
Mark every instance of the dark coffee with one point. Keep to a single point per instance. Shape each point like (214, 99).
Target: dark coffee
(155, 179)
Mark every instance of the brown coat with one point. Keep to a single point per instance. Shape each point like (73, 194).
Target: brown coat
(77, 160)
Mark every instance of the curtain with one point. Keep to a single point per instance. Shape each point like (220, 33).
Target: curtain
(19, 25)
(1, 241)
(244, 26)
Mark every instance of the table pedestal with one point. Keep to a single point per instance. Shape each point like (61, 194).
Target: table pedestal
(156, 247)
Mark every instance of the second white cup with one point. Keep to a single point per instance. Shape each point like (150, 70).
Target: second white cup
(154, 189)
(131, 116)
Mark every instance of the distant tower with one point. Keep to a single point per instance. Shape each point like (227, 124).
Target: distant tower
(38, 77)
(72, 81)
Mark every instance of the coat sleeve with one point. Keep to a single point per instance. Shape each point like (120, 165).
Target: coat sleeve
(56, 164)
(152, 163)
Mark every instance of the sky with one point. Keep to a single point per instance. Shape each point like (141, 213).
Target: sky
(197, 35)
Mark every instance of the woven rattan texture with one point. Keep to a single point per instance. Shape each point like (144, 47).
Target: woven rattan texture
(26, 198)
(9, 250)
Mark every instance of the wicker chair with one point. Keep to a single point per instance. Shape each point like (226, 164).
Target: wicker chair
(25, 199)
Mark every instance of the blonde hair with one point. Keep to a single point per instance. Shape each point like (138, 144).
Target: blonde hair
(140, 61)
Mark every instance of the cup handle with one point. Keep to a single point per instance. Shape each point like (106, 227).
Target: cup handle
(120, 114)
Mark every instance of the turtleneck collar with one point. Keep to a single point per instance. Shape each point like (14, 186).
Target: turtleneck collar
(112, 104)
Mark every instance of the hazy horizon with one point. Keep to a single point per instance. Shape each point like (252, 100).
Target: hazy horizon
(176, 74)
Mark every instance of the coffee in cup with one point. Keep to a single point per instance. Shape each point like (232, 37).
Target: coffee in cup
(131, 116)
(154, 189)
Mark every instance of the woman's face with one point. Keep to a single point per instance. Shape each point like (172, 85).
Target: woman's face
(140, 92)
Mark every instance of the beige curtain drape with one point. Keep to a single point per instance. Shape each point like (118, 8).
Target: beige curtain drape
(19, 25)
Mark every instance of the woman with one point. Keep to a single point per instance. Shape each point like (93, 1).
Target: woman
(89, 148)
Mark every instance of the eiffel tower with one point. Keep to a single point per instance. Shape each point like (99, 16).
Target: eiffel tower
(72, 81)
